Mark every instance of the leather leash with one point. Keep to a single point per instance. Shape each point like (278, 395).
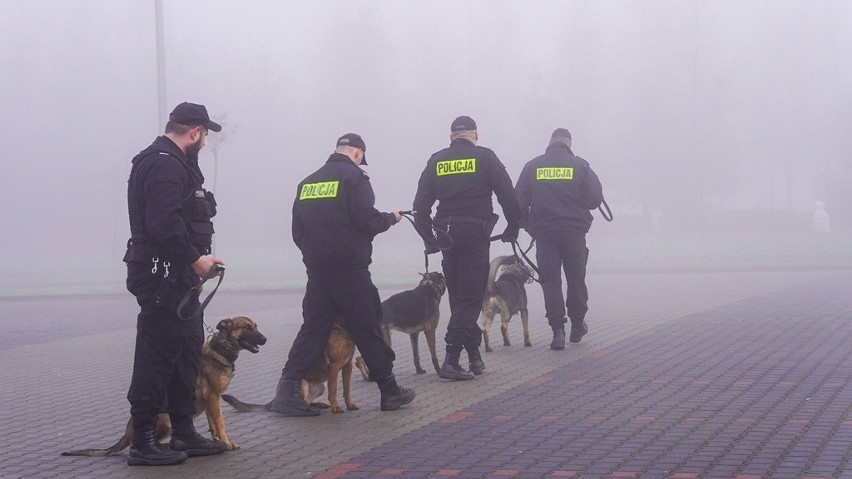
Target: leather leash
(215, 270)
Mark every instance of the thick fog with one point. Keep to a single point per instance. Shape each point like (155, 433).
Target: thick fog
(699, 117)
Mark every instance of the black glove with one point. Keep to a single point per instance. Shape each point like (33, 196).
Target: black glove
(510, 234)
(430, 246)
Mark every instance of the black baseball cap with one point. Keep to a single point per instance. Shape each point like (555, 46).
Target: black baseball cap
(355, 141)
(192, 114)
(560, 133)
(463, 123)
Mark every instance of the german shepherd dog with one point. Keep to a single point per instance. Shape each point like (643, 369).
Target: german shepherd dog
(505, 296)
(337, 357)
(414, 311)
(215, 372)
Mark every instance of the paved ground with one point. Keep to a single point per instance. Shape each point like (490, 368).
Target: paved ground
(728, 375)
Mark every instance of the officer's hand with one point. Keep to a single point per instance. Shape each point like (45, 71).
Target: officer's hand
(430, 247)
(396, 215)
(509, 235)
(203, 264)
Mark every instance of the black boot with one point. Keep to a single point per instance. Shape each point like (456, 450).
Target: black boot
(393, 396)
(451, 369)
(145, 451)
(477, 365)
(578, 331)
(288, 400)
(186, 439)
(558, 342)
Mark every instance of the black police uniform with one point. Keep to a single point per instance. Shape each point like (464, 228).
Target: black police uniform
(462, 178)
(170, 225)
(334, 223)
(556, 192)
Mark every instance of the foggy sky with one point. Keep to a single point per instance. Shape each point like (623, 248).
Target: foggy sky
(726, 104)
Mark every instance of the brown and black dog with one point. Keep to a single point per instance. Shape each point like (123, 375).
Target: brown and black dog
(414, 311)
(337, 358)
(505, 296)
(216, 370)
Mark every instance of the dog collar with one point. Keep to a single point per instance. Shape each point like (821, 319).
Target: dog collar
(223, 350)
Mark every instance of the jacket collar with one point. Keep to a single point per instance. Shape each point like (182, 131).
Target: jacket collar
(165, 144)
(460, 141)
(341, 158)
(559, 147)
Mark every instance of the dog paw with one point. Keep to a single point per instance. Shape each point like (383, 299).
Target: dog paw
(352, 406)
(421, 371)
(320, 405)
(232, 446)
(336, 409)
(527, 343)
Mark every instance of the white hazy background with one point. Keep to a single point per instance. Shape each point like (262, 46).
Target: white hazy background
(712, 125)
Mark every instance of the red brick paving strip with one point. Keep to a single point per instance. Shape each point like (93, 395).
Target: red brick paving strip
(456, 417)
(339, 471)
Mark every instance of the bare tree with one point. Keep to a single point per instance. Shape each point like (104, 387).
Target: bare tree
(215, 144)
(220, 139)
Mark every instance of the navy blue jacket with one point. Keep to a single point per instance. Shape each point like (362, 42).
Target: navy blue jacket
(334, 217)
(462, 178)
(168, 208)
(556, 192)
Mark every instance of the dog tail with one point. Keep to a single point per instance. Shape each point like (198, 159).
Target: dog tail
(111, 451)
(241, 406)
(495, 265)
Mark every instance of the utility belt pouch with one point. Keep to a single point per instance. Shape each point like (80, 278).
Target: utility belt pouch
(171, 293)
(168, 295)
(198, 209)
(488, 224)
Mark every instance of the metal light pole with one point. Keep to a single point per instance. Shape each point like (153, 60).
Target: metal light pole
(162, 112)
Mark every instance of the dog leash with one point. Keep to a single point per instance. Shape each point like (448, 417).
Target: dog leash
(215, 270)
(409, 215)
(607, 215)
(525, 261)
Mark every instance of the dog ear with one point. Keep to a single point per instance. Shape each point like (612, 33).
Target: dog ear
(225, 324)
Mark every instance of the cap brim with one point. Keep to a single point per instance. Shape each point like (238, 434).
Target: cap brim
(213, 126)
(364, 158)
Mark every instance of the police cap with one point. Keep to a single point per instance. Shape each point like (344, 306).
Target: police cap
(560, 133)
(355, 141)
(193, 114)
(463, 123)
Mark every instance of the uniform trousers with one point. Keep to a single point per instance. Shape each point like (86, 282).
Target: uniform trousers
(348, 296)
(166, 361)
(465, 267)
(558, 252)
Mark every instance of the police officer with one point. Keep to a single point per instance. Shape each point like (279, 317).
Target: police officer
(168, 250)
(462, 178)
(556, 192)
(334, 223)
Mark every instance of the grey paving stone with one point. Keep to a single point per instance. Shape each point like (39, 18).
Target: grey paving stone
(713, 374)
